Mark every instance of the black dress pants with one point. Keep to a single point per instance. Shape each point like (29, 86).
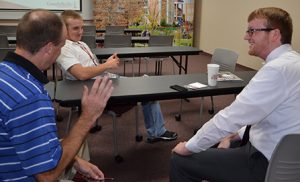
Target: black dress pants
(241, 164)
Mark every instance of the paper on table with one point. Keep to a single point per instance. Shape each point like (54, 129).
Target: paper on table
(228, 76)
(195, 85)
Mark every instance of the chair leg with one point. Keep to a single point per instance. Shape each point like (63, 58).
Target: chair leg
(96, 128)
(132, 65)
(124, 67)
(178, 115)
(212, 110)
(173, 67)
(69, 121)
(139, 66)
(138, 136)
(201, 107)
(118, 158)
(147, 66)
(59, 118)
(201, 113)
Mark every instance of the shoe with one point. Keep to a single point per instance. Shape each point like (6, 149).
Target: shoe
(167, 136)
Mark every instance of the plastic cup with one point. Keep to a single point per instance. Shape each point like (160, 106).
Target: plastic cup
(212, 74)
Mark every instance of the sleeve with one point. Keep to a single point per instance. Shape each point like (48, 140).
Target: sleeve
(257, 100)
(33, 133)
(67, 57)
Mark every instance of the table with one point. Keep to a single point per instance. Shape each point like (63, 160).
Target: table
(159, 51)
(134, 39)
(142, 89)
(132, 31)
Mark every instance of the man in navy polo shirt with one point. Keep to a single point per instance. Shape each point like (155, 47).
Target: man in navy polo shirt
(29, 147)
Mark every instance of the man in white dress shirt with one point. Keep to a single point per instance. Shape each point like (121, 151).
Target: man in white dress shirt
(270, 104)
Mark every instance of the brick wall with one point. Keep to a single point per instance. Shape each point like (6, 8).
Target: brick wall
(117, 12)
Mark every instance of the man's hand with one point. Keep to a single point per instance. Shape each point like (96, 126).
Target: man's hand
(88, 170)
(94, 102)
(181, 149)
(112, 62)
(225, 142)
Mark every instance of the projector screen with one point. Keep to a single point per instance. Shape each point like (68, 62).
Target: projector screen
(55, 5)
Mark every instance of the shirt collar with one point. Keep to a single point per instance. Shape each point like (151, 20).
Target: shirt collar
(27, 65)
(278, 51)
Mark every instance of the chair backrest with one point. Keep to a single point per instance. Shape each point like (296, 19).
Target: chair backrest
(3, 52)
(4, 41)
(160, 40)
(9, 30)
(117, 40)
(115, 30)
(90, 40)
(225, 58)
(285, 161)
(89, 30)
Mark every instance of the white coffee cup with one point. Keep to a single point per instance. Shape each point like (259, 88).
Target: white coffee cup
(212, 74)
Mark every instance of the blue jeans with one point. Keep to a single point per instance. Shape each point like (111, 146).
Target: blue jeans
(153, 118)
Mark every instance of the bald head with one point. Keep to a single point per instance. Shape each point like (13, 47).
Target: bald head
(37, 28)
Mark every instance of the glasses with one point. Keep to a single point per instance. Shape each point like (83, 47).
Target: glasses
(251, 31)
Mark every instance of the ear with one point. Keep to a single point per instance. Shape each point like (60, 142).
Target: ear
(276, 35)
(47, 49)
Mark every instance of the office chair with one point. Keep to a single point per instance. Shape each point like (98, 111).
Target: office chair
(284, 164)
(4, 41)
(227, 60)
(159, 40)
(8, 29)
(115, 30)
(117, 41)
(90, 40)
(89, 30)
(3, 52)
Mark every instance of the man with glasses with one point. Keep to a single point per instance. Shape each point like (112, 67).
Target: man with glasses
(269, 105)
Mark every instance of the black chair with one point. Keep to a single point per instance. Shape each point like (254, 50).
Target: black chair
(89, 30)
(4, 51)
(90, 40)
(115, 30)
(227, 60)
(4, 41)
(116, 41)
(159, 40)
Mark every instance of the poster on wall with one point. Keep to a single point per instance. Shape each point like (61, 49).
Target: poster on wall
(153, 17)
(56, 5)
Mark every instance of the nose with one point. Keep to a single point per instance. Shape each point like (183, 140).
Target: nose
(246, 36)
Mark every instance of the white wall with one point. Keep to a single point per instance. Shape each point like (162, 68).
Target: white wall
(87, 12)
(223, 24)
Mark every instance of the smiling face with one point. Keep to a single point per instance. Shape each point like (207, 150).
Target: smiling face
(74, 29)
(260, 43)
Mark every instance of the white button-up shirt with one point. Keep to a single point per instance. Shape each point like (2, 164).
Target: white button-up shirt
(270, 103)
(75, 53)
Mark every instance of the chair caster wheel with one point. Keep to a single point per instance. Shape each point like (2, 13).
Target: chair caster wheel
(95, 129)
(211, 111)
(138, 138)
(178, 117)
(119, 159)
